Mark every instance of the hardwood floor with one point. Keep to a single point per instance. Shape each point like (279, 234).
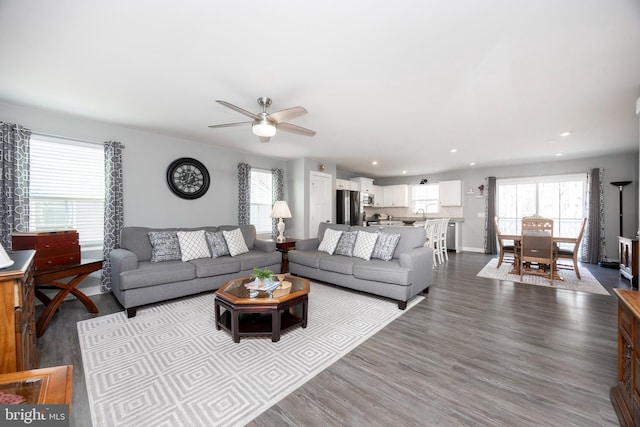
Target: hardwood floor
(476, 351)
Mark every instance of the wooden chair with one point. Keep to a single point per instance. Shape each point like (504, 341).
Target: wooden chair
(573, 252)
(502, 245)
(536, 246)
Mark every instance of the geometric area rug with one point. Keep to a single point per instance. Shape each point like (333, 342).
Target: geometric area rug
(169, 366)
(570, 280)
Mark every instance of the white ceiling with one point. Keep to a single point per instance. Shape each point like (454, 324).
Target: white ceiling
(398, 82)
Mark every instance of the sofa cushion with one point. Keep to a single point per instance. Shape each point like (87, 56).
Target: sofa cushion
(365, 242)
(152, 274)
(330, 241)
(217, 244)
(383, 271)
(385, 246)
(323, 226)
(165, 246)
(338, 264)
(258, 259)
(346, 243)
(248, 232)
(193, 245)
(207, 267)
(235, 242)
(307, 258)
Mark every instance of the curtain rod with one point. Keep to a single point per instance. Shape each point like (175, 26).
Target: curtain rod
(70, 138)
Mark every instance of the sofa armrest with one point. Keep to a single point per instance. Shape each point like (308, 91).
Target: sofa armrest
(307, 245)
(121, 260)
(265, 245)
(420, 261)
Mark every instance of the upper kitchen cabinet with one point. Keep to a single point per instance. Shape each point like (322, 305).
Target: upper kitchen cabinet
(451, 193)
(378, 195)
(343, 184)
(364, 184)
(395, 196)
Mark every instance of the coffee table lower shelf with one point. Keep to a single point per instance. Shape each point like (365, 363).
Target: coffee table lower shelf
(261, 320)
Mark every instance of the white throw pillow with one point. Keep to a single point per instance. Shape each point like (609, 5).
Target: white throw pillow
(235, 242)
(193, 245)
(330, 241)
(365, 242)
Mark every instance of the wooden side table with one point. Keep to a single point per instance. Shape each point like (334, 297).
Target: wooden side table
(44, 386)
(629, 259)
(285, 247)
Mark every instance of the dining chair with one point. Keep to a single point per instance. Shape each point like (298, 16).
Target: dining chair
(572, 253)
(442, 238)
(536, 246)
(431, 228)
(502, 245)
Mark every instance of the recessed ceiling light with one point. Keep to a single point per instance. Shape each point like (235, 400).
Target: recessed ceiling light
(567, 133)
(559, 154)
(375, 162)
(404, 172)
(453, 150)
(472, 164)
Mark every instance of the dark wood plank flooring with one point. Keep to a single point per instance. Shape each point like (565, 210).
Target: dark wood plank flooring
(475, 352)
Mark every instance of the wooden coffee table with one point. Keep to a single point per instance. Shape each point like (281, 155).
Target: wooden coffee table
(256, 313)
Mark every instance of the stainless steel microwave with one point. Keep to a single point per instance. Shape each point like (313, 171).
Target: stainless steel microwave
(367, 199)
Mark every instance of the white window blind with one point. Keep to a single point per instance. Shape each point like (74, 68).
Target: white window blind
(261, 200)
(67, 188)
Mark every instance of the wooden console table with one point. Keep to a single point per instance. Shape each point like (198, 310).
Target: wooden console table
(629, 259)
(48, 279)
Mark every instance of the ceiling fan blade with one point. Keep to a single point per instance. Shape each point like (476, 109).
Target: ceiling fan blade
(239, 110)
(226, 125)
(288, 127)
(288, 114)
(264, 138)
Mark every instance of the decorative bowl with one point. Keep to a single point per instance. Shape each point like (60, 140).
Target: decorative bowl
(409, 221)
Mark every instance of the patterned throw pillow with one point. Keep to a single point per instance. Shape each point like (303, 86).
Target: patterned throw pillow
(164, 246)
(330, 241)
(235, 242)
(385, 246)
(217, 244)
(365, 242)
(346, 243)
(193, 245)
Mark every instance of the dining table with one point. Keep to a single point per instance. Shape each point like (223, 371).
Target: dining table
(517, 238)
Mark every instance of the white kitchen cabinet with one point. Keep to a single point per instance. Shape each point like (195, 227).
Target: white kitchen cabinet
(343, 184)
(365, 184)
(451, 193)
(354, 186)
(395, 195)
(378, 195)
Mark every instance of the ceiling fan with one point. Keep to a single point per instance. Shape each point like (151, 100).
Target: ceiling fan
(264, 125)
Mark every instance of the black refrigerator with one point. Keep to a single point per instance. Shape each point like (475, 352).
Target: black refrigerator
(348, 207)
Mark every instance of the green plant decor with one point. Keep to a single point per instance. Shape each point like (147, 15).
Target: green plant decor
(262, 274)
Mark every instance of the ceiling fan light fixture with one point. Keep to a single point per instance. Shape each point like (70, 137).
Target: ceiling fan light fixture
(264, 129)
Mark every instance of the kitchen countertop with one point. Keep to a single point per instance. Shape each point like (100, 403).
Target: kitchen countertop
(419, 222)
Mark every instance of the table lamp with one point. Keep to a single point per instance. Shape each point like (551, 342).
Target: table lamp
(280, 210)
(5, 261)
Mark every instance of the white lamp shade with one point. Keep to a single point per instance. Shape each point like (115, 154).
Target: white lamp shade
(5, 261)
(280, 210)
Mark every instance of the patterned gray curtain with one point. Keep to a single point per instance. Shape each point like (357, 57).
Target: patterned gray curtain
(593, 245)
(278, 194)
(113, 207)
(244, 193)
(490, 244)
(14, 180)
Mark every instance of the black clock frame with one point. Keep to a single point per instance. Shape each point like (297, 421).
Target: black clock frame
(176, 186)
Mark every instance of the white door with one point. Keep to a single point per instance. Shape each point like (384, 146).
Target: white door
(320, 200)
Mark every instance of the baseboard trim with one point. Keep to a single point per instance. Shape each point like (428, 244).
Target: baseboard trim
(470, 249)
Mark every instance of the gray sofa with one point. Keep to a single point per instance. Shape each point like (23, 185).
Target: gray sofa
(407, 274)
(136, 281)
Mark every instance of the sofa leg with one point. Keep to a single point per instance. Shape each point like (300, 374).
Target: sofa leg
(131, 312)
(402, 305)
(425, 290)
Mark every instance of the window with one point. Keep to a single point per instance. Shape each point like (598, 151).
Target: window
(261, 200)
(560, 198)
(425, 197)
(67, 188)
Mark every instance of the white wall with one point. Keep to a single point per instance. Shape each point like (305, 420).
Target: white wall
(147, 198)
(619, 167)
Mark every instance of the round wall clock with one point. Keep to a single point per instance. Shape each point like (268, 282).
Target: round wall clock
(188, 178)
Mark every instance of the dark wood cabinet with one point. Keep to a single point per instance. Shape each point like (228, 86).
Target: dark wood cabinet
(284, 248)
(625, 395)
(17, 314)
(53, 248)
(629, 259)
